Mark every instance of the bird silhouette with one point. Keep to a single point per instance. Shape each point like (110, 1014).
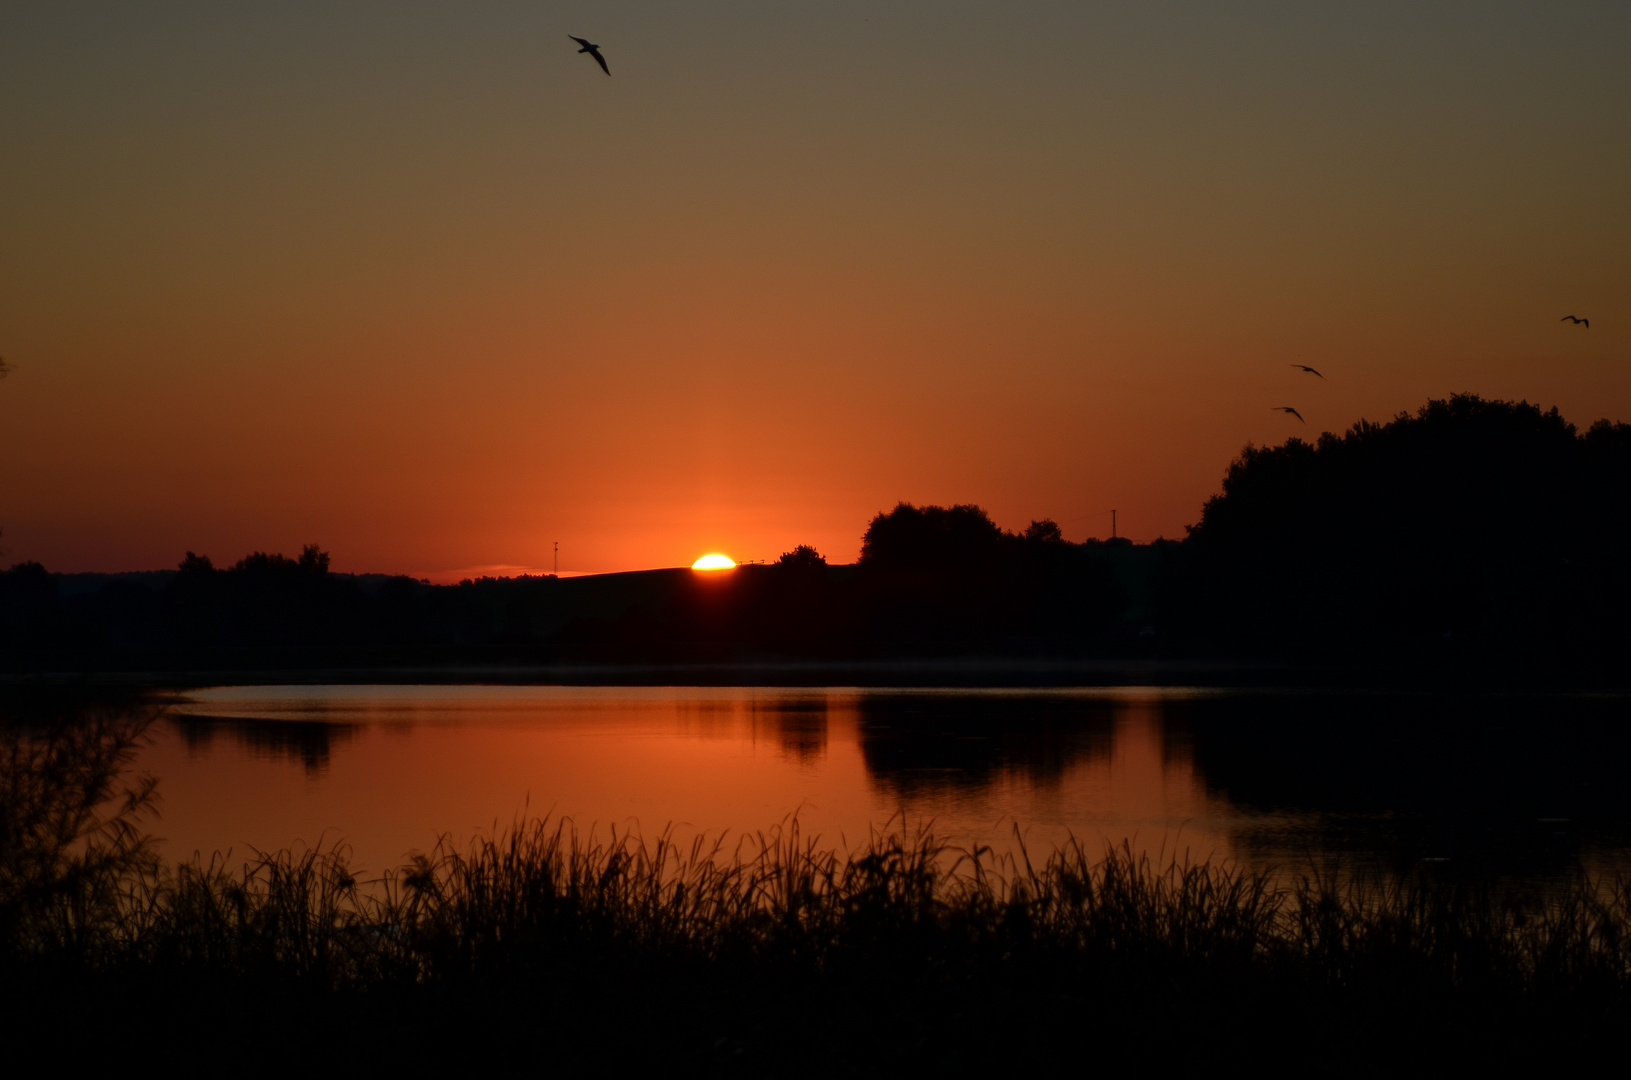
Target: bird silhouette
(1576, 320)
(593, 50)
(1308, 369)
(1289, 409)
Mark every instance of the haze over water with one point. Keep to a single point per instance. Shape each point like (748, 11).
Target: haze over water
(387, 769)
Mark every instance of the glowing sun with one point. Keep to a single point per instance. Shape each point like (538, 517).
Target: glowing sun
(712, 562)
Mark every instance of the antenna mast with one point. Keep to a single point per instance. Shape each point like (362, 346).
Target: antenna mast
(557, 558)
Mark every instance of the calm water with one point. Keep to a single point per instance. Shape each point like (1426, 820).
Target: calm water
(1512, 786)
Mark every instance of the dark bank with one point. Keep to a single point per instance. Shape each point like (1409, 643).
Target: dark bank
(1479, 540)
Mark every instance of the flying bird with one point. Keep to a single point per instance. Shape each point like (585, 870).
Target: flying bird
(593, 50)
(1289, 409)
(1576, 320)
(1308, 369)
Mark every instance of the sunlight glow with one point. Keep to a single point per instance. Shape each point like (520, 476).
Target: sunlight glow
(713, 562)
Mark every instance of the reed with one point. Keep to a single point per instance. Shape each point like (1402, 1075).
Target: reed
(75, 863)
(545, 912)
(716, 955)
(543, 889)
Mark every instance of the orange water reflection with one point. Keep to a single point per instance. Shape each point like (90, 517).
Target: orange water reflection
(389, 768)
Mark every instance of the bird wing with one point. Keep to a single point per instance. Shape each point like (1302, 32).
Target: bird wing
(596, 54)
(579, 40)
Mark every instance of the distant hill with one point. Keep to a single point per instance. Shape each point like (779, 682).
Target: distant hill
(1006, 594)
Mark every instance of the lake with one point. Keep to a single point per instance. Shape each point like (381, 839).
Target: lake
(1527, 786)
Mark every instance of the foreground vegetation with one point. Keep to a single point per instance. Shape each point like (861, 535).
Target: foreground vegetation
(545, 947)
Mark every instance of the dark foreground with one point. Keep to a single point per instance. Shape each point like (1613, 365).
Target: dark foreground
(544, 950)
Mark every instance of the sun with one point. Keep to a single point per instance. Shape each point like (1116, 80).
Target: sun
(713, 562)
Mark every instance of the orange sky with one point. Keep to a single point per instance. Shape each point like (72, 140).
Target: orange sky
(418, 283)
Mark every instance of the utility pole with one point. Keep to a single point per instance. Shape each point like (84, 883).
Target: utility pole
(1112, 524)
(557, 558)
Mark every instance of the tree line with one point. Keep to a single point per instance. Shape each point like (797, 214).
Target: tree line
(1471, 527)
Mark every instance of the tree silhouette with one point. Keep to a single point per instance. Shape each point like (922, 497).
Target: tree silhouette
(1046, 531)
(313, 560)
(936, 537)
(803, 557)
(1491, 520)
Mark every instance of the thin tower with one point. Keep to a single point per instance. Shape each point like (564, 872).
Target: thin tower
(557, 558)
(1112, 524)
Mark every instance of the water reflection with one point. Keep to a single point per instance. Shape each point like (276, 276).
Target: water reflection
(798, 724)
(308, 742)
(1510, 785)
(1498, 786)
(1095, 765)
(923, 744)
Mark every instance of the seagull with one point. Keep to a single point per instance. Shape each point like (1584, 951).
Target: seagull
(1289, 409)
(1308, 369)
(593, 50)
(1576, 320)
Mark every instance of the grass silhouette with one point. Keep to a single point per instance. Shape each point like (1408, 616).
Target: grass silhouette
(903, 926)
(770, 954)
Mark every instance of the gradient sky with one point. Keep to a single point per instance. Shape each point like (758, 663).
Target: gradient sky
(417, 282)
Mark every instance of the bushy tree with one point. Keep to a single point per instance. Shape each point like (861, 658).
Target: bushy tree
(951, 573)
(1046, 531)
(1471, 518)
(937, 537)
(803, 557)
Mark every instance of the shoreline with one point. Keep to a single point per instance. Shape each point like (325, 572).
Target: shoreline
(974, 673)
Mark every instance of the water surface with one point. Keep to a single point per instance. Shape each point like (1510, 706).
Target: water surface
(1525, 786)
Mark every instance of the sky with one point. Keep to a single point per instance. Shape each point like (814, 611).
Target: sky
(419, 283)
